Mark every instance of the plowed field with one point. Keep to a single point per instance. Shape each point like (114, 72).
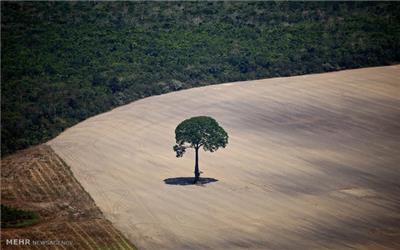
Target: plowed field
(313, 162)
(37, 179)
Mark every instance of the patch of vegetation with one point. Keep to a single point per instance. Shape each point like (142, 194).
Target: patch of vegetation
(12, 217)
(199, 132)
(65, 61)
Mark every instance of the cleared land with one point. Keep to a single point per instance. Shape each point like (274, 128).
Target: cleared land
(313, 162)
(36, 179)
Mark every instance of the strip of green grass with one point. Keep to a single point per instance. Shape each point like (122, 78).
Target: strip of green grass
(13, 217)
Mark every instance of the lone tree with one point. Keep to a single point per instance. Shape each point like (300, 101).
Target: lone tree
(197, 132)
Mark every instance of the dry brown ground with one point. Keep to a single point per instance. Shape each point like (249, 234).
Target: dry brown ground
(313, 162)
(37, 179)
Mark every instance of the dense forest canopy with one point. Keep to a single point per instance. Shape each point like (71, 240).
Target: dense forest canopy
(62, 62)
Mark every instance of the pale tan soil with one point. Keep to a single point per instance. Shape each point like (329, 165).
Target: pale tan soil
(36, 179)
(313, 162)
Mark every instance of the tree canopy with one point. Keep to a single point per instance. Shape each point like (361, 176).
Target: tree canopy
(197, 132)
(200, 131)
(64, 61)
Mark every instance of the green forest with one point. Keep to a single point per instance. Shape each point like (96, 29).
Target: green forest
(62, 62)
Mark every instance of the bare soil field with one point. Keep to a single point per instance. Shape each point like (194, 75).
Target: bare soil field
(313, 162)
(36, 179)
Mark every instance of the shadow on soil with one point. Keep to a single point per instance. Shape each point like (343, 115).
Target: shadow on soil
(188, 181)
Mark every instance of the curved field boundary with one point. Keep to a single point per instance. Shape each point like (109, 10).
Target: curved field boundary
(312, 163)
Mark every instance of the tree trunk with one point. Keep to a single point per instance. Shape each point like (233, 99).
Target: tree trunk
(196, 167)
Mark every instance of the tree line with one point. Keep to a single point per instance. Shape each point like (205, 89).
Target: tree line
(62, 62)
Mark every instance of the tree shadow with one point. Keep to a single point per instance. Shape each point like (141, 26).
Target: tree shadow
(183, 181)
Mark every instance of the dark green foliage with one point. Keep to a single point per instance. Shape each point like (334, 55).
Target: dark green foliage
(62, 62)
(197, 132)
(12, 217)
(200, 131)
